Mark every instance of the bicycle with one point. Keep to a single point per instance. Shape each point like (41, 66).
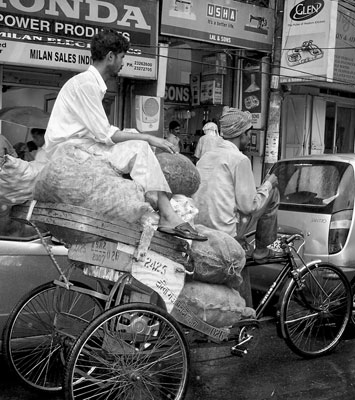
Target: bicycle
(137, 344)
(318, 289)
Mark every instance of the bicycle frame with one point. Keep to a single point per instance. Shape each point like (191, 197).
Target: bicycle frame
(280, 279)
(289, 267)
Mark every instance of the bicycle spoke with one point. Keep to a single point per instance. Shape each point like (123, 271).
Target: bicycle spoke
(133, 354)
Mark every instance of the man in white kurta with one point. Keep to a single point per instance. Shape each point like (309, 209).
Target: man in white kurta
(78, 118)
(227, 198)
(209, 141)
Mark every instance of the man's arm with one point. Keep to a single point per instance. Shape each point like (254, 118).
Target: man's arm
(122, 136)
(248, 198)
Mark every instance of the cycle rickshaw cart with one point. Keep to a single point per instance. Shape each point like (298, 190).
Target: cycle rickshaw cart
(130, 336)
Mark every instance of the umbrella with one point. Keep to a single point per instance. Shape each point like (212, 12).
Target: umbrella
(29, 117)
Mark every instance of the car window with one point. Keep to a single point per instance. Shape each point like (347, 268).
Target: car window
(346, 190)
(317, 183)
(15, 230)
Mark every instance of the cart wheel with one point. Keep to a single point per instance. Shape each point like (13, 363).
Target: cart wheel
(41, 330)
(136, 351)
(313, 318)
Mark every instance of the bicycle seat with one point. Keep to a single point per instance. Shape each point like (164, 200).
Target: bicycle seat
(288, 230)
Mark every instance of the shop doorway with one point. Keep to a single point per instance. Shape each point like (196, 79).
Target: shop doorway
(339, 130)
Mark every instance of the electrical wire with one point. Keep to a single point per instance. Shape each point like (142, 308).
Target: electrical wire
(306, 76)
(235, 52)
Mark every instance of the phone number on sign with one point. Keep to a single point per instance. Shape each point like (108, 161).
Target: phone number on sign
(143, 66)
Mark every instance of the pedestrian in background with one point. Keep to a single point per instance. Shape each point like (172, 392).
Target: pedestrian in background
(209, 141)
(173, 135)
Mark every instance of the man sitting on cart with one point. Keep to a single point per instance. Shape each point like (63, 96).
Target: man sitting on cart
(78, 117)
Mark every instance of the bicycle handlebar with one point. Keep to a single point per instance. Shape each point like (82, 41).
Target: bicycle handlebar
(291, 238)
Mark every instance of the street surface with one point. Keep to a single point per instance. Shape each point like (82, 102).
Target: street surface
(270, 371)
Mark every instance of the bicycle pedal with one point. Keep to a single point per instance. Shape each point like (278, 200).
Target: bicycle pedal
(239, 352)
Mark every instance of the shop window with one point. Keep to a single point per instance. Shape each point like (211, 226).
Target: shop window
(49, 100)
(339, 129)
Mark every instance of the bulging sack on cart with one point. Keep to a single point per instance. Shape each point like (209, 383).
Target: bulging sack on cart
(218, 305)
(17, 179)
(218, 260)
(81, 179)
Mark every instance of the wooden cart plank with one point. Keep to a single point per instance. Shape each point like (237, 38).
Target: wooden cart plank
(78, 219)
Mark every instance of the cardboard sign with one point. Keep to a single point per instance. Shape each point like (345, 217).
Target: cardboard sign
(164, 276)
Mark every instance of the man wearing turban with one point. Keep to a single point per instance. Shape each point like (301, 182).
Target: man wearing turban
(209, 140)
(227, 198)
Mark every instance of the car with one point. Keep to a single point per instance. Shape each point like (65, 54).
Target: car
(317, 195)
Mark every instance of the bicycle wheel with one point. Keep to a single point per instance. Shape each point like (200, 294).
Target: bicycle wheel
(136, 351)
(350, 330)
(314, 317)
(40, 331)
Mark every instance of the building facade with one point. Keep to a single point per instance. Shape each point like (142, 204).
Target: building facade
(318, 77)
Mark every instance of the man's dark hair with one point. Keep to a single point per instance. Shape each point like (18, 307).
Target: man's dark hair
(108, 40)
(38, 131)
(173, 125)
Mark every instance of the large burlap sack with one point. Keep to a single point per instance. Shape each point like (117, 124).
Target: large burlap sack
(81, 179)
(180, 173)
(218, 260)
(17, 179)
(218, 305)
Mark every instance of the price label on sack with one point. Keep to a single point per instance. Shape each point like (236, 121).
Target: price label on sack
(161, 274)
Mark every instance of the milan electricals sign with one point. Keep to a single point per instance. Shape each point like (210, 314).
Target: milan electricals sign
(57, 33)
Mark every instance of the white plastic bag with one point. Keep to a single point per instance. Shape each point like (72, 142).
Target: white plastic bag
(184, 207)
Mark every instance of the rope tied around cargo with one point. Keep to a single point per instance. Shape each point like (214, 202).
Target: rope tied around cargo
(233, 268)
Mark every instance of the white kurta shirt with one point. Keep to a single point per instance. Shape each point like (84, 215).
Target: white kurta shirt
(78, 114)
(78, 118)
(227, 188)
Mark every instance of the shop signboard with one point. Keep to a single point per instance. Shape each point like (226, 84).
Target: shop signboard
(57, 33)
(308, 40)
(225, 22)
(177, 94)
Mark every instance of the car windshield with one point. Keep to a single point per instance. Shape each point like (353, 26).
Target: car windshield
(316, 183)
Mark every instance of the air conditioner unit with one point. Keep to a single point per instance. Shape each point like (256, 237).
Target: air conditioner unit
(147, 113)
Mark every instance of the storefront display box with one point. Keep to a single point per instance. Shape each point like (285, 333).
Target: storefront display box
(214, 64)
(212, 89)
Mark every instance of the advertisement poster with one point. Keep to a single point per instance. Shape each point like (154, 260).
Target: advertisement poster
(251, 88)
(57, 33)
(255, 81)
(344, 65)
(308, 40)
(226, 22)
